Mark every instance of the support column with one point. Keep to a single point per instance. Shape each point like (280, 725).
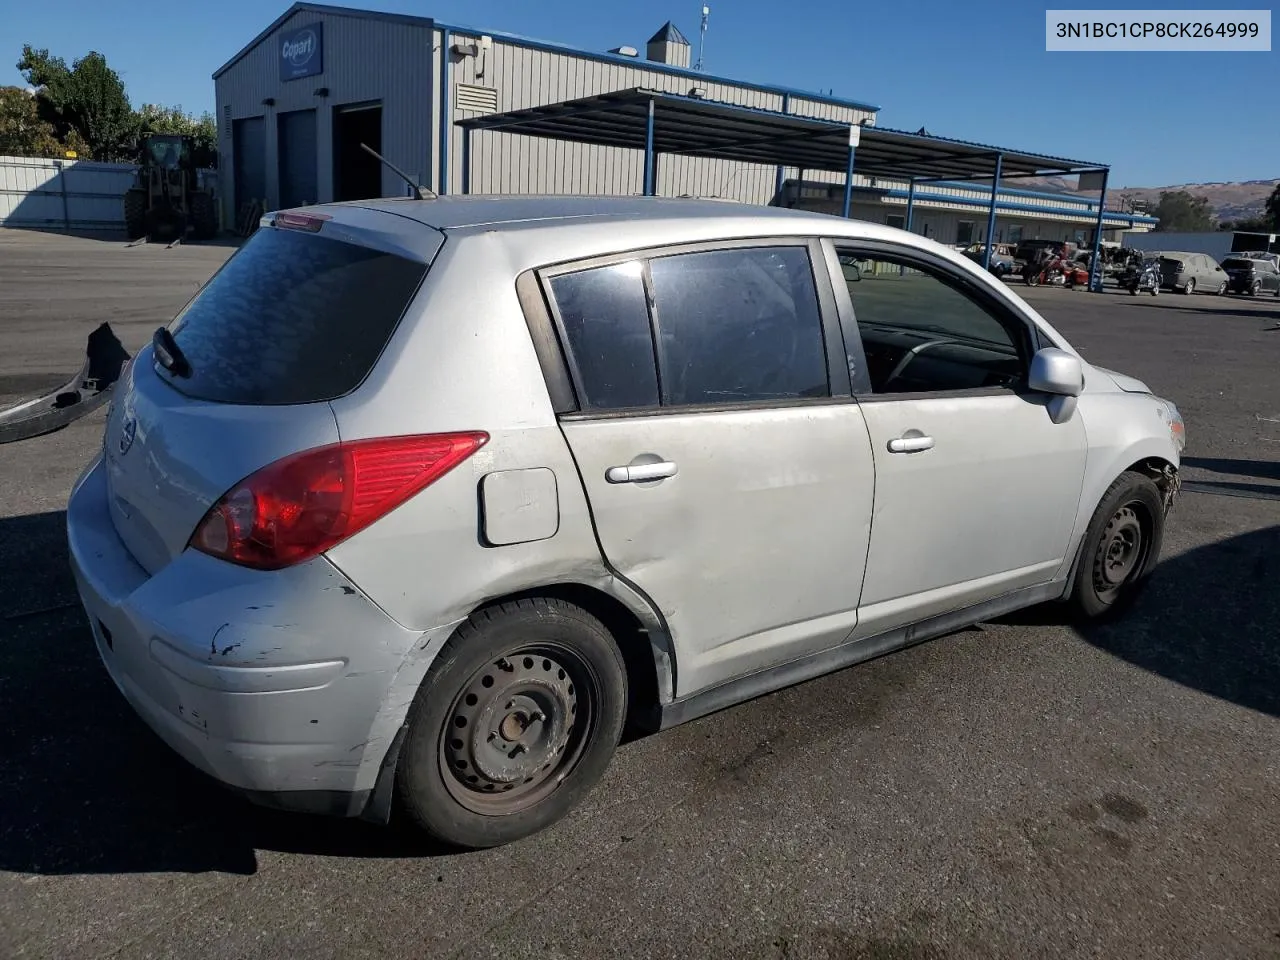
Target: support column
(466, 160)
(848, 185)
(911, 202)
(648, 153)
(442, 176)
(780, 174)
(991, 215)
(1095, 264)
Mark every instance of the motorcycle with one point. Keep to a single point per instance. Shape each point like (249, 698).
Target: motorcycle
(1144, 278)
(1058, 272)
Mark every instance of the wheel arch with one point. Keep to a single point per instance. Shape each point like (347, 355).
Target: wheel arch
(1151, 457)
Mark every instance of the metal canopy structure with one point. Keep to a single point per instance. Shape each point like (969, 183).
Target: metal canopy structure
(707, 128)
(667, 123)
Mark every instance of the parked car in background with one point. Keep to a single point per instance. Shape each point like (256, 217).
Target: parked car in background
(443, 554)
(1271, 258)
(1250, 276)
(1002, 259)
(1191, 272)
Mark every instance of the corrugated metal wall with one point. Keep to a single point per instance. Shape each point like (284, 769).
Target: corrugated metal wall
(365, 59)
(526, 77)
(63, 194)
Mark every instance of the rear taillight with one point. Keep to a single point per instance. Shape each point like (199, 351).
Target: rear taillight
(309, 502)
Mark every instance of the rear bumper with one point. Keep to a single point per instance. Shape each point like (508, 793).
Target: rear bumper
(278, 684)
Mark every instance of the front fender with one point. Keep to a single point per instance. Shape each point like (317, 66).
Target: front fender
(1123, 430)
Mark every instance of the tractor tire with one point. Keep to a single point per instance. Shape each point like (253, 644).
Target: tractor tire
(204, 217)
(135, 212)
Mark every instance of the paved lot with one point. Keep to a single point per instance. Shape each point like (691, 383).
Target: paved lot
(1014, 790)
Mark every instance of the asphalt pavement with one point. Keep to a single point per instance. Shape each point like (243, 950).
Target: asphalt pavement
(1018, 789)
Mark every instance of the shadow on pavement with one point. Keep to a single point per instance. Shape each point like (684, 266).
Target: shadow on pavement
(1262, 469)
(88, 788)
(1255, 469)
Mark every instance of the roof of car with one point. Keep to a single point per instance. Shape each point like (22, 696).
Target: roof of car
(471, 212)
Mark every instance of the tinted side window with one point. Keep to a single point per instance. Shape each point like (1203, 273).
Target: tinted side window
(292, 318)
(606, 321)
(923, 335)
(738, 325)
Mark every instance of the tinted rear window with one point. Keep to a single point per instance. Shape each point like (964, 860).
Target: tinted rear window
(1237, 264)
(292, 318)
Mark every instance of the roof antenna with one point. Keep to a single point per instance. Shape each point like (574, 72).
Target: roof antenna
(421, 192)
(702, 36)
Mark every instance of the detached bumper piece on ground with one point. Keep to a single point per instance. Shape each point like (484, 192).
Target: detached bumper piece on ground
(105, 357)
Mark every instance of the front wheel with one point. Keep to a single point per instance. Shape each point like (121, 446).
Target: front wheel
(1119, 548)
(1255, 289)
(515, 722)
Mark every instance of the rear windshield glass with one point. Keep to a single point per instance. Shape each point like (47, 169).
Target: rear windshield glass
(1237, 263)
(292, 318)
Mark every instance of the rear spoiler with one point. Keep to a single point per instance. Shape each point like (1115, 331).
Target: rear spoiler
(105, 357)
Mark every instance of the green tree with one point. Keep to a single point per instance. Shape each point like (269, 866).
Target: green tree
(1273, 209)
(1179, 210)
(86, 99)
(23, 133)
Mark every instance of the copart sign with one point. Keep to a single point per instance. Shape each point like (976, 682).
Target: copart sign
(301, 52)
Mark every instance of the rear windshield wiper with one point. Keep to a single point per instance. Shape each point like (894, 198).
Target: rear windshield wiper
(168, 354)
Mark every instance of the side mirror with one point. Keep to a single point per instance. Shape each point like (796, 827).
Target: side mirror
(1060, 375)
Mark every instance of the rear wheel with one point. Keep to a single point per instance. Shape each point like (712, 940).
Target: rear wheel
(204, 218)
(135, 212)
(1119, 548)
(1190, 288)
(1222, 288)
(514, 723)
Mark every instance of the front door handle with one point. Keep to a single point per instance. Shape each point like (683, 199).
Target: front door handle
(640, 472)
(910, 444)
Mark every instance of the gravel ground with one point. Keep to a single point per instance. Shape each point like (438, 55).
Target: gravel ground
(1014, 790)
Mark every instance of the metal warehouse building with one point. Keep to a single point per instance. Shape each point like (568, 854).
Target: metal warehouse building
(295, 104)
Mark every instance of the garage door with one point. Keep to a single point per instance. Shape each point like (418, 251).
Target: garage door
(249, 159)
(296, 148)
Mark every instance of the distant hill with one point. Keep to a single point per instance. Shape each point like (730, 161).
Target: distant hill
(1229, 201)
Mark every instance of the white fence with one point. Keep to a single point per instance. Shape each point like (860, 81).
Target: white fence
(63, 194)
(47, 194)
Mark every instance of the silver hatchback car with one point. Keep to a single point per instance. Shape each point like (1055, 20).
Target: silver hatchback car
(422, 501)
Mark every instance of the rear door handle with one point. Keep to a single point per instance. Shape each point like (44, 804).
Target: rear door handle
(640, 472)
(910, 444)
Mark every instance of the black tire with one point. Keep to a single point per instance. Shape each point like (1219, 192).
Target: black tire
(1119, 548)
(1032, 279)
(135, 212)
(1256, 288)
(1190, 287)
(517, 684)
(204, 218)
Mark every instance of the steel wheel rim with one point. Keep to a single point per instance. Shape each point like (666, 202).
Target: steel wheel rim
(1121, 552)
(518, 728)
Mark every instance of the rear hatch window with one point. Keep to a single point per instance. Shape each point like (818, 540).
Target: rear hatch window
(1237, 263)
(292, 317)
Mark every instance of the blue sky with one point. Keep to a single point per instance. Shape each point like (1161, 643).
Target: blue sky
(978, 72)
